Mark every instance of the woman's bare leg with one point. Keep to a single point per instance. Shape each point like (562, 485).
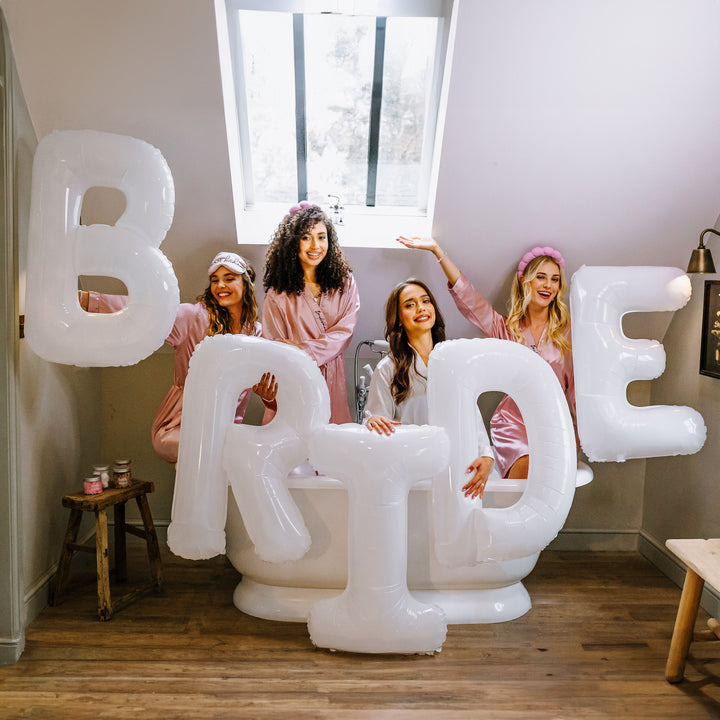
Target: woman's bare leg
(519, 468)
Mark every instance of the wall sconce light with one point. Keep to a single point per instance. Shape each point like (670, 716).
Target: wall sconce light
(701, 260)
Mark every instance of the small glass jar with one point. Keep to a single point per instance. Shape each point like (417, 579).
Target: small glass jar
(121, 474)
(92, 486)
(103, 472)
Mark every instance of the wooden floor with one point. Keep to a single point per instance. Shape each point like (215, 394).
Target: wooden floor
(593, 646)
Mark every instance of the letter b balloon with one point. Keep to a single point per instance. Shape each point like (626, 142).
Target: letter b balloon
(60, 249)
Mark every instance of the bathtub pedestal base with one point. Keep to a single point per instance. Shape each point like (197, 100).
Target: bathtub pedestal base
(462, 607)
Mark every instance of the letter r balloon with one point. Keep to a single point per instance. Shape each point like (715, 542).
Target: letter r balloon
(254, 461)
(60, 249)
(606, 361)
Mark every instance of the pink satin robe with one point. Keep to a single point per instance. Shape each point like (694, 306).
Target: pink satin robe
(190, 328)
(506, 425)
(323, 330)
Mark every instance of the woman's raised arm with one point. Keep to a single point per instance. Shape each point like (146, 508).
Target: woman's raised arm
(452, 272)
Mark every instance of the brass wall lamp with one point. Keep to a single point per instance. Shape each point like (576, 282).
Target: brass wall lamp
(701, 260)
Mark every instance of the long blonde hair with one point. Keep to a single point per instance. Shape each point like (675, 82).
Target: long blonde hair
(558, 313)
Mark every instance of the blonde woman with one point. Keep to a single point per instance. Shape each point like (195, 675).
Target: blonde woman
(538, 318)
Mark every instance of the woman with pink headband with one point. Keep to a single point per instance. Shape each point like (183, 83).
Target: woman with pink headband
(311, 298)
(227, 305)
(538, 318)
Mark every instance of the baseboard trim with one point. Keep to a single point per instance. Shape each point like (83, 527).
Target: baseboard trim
(11, 650)
(36, 598)
(161, 531)
(37, 595)
(567, 540)
(667, 562)
(595, 540)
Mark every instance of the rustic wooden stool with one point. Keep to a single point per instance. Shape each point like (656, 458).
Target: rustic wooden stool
(702, 558)
(111, 497)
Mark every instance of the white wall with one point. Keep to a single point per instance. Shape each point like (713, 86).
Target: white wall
(58, 417)
(57, 421)
(590, 124)
(682, 494)
(59, 443)
(145, 68)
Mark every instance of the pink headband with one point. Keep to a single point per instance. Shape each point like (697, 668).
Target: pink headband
(300, 206)
(539, 252)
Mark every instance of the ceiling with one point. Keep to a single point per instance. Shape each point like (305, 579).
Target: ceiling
(593, 125)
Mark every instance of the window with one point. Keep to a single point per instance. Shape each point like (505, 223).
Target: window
(334, 103)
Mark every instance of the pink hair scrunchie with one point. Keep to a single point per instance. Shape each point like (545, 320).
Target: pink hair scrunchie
(300, 206)
(539, 252)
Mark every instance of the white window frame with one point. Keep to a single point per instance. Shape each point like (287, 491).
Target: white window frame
(362, 226)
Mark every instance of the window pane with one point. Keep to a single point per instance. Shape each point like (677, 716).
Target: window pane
(407, 85)
(339, 63)
(267, 44)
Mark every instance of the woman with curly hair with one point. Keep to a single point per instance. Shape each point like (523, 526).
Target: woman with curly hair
(311, 298)
(398, 388)
(228, 305)
(538, 318)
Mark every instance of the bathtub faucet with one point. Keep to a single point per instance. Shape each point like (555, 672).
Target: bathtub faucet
(381, 347)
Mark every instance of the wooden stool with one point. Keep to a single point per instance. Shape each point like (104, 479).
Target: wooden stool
(111, 497)
(702, 558)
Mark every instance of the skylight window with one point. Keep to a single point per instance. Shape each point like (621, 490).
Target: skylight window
(338, 105)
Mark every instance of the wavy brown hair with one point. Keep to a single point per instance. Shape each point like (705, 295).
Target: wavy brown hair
(283, 269)
(220, 319)
(402, 352)
(558, 313)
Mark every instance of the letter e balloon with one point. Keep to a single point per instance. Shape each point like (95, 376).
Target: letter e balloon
(606, 361)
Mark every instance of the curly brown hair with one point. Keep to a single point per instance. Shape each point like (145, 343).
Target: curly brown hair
(220, 319)
(402, 352)
(283, 270)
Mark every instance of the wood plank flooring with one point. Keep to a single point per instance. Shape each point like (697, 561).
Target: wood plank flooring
(593, 646)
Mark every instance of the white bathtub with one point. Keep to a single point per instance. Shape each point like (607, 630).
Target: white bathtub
(486, 593)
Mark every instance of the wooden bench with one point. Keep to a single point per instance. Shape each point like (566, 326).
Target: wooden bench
(702, 558)
(99, 504)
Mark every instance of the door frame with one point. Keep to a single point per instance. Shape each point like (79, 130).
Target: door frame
(12, 614)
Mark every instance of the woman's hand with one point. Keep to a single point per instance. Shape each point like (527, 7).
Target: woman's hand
(480, 467)
(381, 425)
(451, 270)
(420, 243)
(267, 388)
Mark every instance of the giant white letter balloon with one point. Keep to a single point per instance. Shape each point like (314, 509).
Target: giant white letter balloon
(214, 452)
(465, 532)
(60, 249)
(376, 613)
(606, 361)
